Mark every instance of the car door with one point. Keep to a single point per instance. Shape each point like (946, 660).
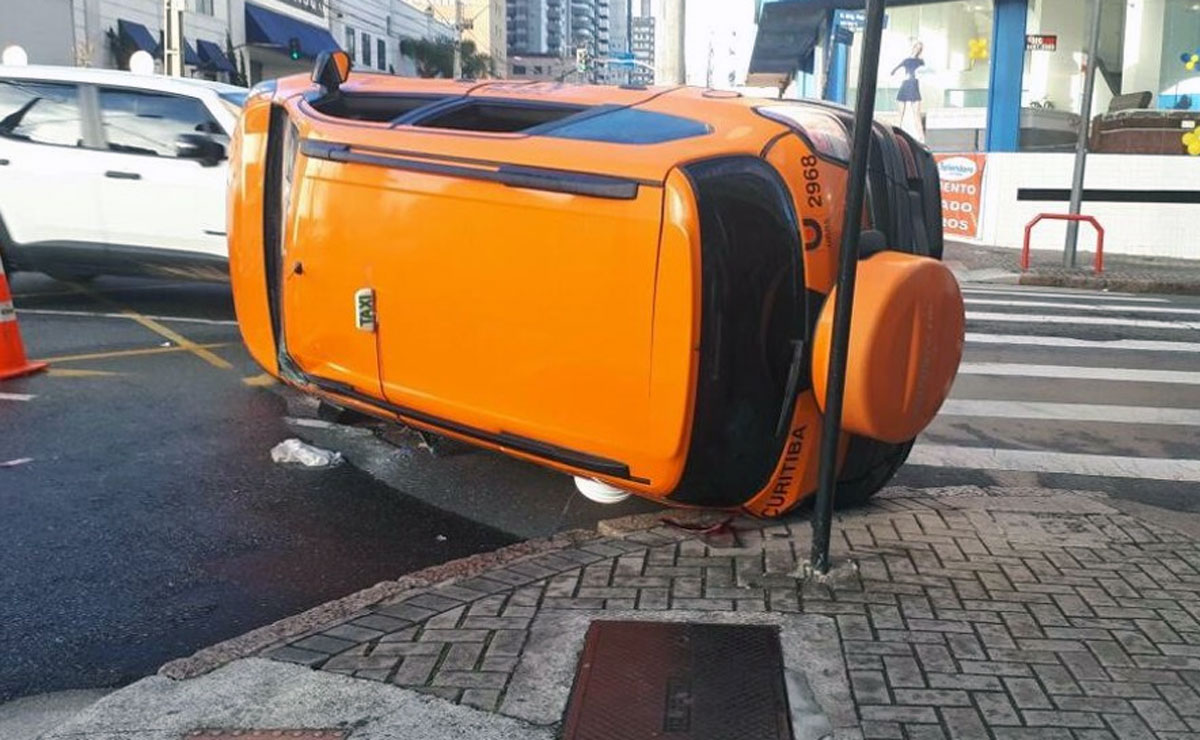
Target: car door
(328, 260)
(153, 198)
(50, 180)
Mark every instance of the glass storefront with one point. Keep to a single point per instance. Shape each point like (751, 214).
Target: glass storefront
(933, 73)
(1179, 87)
(936, 59)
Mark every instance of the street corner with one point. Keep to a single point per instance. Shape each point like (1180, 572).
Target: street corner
(256, 698)
(998, 611)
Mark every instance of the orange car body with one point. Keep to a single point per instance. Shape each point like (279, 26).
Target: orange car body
(541, 290)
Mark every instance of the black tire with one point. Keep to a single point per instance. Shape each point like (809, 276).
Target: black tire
(869, 465)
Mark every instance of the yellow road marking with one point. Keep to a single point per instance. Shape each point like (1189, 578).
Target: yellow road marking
(179, 339)
(128, 353)
(78, 373)
(259, 381)
(159, 329)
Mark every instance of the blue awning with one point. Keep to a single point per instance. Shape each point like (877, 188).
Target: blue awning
(212, 57)
(137, 35)
(268, 28)
(787, 34)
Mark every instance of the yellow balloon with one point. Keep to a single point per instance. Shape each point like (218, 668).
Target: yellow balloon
(1195, 59)
(1194, 149)
(1190, 66)
(1189, 138)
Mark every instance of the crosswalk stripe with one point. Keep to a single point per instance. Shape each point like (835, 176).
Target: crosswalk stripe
(1074, 372)
(1070, 412)
(1140, 345)
(1077, 296)
(1037, 461)
(1030, 318)
(16, 397)
(1102, 307)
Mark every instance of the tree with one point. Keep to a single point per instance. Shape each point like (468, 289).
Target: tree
(238, 76)
(435, 58)
(120, 48)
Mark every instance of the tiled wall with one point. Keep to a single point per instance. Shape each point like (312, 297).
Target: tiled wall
(1166, 230)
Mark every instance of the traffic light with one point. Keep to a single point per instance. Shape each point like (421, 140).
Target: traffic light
(581, 59)
(294, 49)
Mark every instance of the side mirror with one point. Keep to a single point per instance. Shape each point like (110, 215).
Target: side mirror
(331, 70)
(201, 148)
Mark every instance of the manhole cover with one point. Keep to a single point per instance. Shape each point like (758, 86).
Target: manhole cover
(640, 680)
(266, 735)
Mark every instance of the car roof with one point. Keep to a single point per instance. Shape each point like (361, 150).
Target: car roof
(734, 127)
(96, 76)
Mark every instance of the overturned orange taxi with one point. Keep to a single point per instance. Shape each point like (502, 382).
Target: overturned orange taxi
(630, 285)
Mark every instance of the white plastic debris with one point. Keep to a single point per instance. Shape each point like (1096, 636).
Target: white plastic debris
(301, 453)
(440, 538)
(16, 462)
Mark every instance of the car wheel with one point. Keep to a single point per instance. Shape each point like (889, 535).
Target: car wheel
(601, 493)
(869, 465)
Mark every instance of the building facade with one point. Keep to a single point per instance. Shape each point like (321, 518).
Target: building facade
(641, 45)
(542, 30)
(45, 29)
(230, 40)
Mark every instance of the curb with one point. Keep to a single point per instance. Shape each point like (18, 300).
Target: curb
(248, 644)
(1116, 282)
(285, 630)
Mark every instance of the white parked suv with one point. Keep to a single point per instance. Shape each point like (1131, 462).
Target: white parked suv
(103, 171)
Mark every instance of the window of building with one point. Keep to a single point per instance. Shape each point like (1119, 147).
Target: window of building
(381, 55)
(933, 72)
(351, 43)
(202, 7)
(40, 113)
(366, 49)
(518, 69)
(139, 122)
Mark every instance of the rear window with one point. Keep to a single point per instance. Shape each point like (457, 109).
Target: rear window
(629, 126)
(498, 117)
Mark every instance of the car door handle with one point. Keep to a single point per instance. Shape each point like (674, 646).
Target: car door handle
(116, 175)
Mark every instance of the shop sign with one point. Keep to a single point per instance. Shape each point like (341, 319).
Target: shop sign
(316, 7)
(962, 192)
(1041, 42)
(853, 21)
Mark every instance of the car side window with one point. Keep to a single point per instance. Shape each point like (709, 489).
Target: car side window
(40, 112)
(145, 122)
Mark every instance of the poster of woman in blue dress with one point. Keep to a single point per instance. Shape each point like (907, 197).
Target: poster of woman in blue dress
(909, 96)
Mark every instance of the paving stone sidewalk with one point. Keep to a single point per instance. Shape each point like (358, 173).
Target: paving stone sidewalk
(961, 613)
(982, 263)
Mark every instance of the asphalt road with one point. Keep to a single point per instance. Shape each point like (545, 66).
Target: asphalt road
(1072, 389)
(151, 521)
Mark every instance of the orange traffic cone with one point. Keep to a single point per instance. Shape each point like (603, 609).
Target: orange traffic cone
(13, 362)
